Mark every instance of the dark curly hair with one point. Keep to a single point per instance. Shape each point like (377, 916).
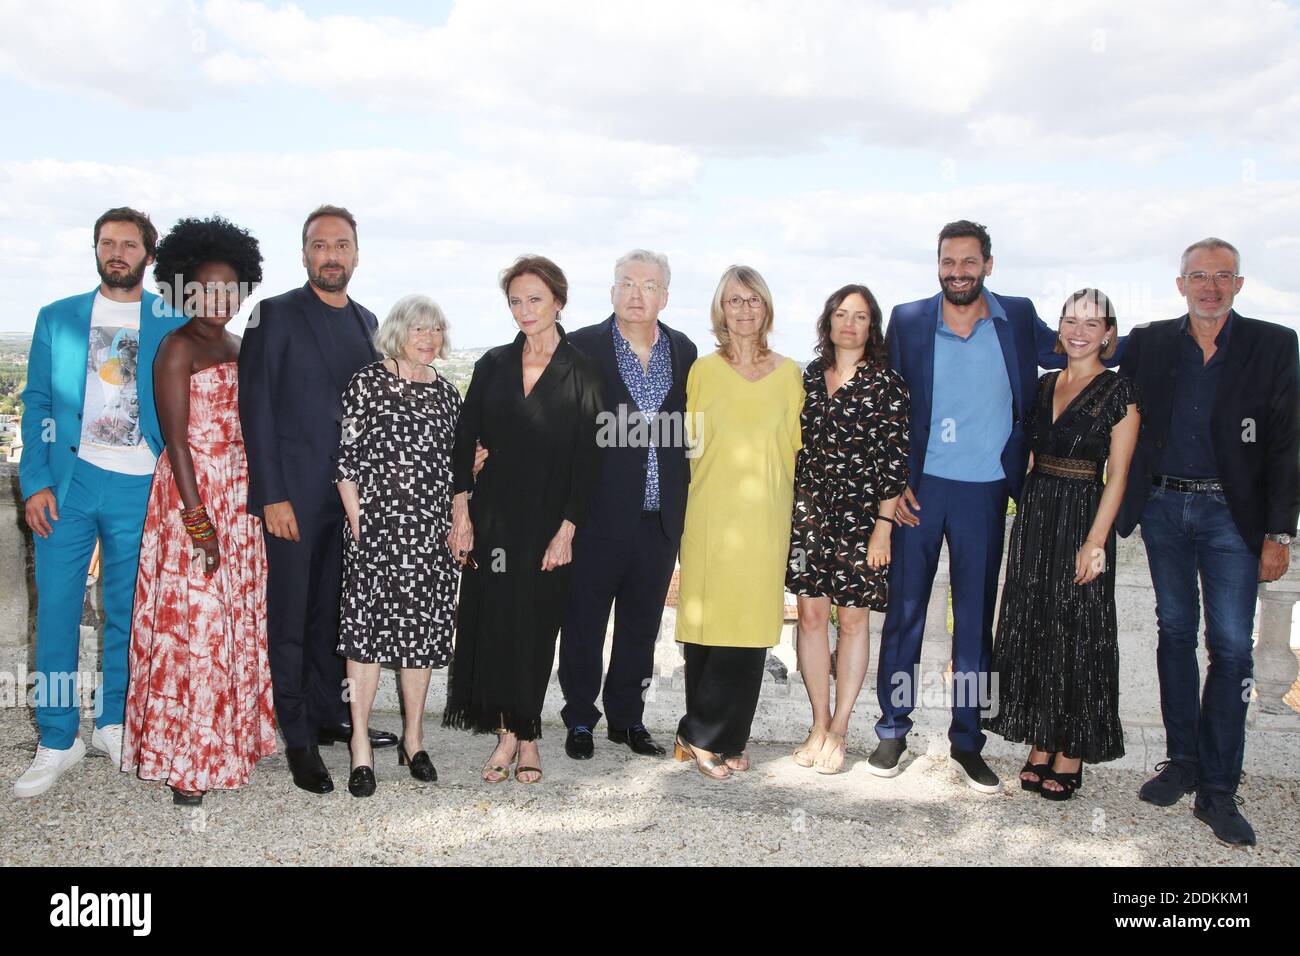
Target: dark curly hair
(874, 352)
(191, 243)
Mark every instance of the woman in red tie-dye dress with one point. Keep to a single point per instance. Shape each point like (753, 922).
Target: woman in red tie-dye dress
(198, 711)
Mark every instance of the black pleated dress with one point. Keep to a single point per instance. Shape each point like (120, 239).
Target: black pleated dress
(542, 466)
(1056, 654)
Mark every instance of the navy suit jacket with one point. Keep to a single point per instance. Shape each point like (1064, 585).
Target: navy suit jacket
(1027, 342)
(291, 384)
(620, 493)
(1254, 427)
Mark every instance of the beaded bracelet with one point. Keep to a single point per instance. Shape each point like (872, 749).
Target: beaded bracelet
(196, 522)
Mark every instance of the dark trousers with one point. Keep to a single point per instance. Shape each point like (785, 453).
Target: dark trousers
(1189, 536)
(633, 577)
(972, 516)
(303, 579)
(722, 687)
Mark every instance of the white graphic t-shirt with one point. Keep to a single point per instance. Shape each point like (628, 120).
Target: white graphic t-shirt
(110, 419)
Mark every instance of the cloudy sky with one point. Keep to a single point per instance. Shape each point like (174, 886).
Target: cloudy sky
(821, 142)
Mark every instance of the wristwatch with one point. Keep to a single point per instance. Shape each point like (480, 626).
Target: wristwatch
(1283, 539)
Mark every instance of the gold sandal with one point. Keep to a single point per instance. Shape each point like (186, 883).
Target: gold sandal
(805, 755)
(742, 756)
(682, 751)
(838, 746)
(503, 773)
(522, 769)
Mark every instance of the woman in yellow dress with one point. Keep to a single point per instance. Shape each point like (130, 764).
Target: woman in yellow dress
(743, 404)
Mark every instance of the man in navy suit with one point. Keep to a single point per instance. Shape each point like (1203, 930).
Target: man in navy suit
(1215, 485)
(299, 352)
(623, 554)
(970, 359)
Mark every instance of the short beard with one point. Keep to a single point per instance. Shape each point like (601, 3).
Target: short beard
(964, 298)
(126, 280)
(331, 285)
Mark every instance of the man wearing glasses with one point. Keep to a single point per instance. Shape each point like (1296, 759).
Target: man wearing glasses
(623, 554)
(1215, 484)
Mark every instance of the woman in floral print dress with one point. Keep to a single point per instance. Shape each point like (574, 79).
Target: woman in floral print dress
(850, 471)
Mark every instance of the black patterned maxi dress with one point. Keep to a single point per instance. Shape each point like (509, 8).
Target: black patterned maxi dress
(854, 456)
(1056, 655)
(398, 603)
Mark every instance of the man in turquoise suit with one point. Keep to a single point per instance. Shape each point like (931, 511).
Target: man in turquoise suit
(90, 442)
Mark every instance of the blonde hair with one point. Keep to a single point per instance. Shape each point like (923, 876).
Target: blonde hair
(752, 281)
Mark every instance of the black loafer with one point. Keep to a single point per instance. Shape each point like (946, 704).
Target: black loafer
(639, 739)
(308, 770)
(979, 775)
(421, 766)
(331, 734)
(361, 782)
(578, 743)
(884, 760)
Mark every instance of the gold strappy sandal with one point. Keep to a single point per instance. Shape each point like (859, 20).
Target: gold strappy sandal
(805, 754)
(831, 760)
(682, 751)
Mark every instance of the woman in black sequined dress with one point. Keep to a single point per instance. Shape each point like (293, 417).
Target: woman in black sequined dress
(1056, 654)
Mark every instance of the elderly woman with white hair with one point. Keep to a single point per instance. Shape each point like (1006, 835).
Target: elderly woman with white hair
(395, 478)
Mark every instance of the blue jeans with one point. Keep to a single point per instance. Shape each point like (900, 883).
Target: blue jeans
(102, 506)
(1187, 535)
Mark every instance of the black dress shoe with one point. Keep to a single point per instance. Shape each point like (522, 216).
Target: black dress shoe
(331, 734)
(421, 766)
(639, 739)
(578, 743)
(309, 772)
(361, 782)
(183, 798)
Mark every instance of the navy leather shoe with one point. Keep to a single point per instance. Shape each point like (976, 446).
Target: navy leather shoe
(578, 743)
(1219, 812)
(1173, 779)
(639, 739)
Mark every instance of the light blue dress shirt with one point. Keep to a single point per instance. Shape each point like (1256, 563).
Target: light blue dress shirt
(970, 418)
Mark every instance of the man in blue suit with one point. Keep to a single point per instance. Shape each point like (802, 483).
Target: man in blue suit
(970, 359)
(90, 442)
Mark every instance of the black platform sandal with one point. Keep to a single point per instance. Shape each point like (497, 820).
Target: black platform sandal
(1040, 770)
(1069, 782)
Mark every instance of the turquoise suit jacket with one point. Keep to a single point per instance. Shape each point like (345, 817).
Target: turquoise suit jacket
(56, 387)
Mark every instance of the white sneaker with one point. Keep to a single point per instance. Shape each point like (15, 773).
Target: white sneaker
(109, 740)
(47, 768)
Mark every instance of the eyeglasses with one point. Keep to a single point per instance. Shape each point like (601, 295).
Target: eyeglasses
(648, 288)
(1219, 278)
(737, 301)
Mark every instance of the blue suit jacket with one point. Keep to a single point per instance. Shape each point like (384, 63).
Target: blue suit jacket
(56, 387)
(1027, 343)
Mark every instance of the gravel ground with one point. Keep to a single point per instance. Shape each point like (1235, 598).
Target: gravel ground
(618, 809)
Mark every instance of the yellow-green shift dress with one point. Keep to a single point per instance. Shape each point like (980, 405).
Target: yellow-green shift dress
(737, 536)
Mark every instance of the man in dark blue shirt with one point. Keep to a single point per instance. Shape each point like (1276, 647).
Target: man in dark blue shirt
(1215, 484)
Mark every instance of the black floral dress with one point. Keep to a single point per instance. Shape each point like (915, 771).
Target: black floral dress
(1056, 654)
(399, 581)
(854, 456)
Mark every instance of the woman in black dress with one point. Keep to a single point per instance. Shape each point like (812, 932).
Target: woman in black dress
(849, 473)
(533, 404)
(399, 578)
(1056, 656)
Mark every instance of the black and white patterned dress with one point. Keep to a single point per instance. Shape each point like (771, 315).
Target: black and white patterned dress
(398, 602)
(854, 456)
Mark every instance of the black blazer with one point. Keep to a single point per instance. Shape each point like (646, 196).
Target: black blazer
(291, 384)
(1254, 428)
(620, 492)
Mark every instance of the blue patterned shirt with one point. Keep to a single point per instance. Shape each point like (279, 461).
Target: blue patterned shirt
(648, 388)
